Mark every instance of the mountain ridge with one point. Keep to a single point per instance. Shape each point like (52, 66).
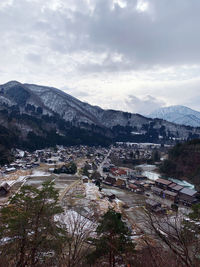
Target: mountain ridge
(178, 114)
(40, 116)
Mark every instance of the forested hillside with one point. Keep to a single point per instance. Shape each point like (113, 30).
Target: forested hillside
(184, 162)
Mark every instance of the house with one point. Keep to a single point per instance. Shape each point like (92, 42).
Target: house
(154, 206)
(120, 183)
(9, 170)
(111, 197)
(133, 187)
(147, 186)
(139, 177)
(162, 183)
(187, 196)
(4, 189)
(177, 188)
(130, 173)
(118, 172)
(171, 186)
(157, 191)
(85, 179)
(170, 195)
(110, 181)
(139, 183)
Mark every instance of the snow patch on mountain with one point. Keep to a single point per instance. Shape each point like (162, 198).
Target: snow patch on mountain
(178, 114)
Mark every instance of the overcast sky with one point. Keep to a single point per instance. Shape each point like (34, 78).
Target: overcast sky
(133, 55)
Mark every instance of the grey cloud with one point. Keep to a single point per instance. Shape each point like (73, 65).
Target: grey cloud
(68, 42)
(144, 105)
(75, 92)
(166, 35)
(35, 58)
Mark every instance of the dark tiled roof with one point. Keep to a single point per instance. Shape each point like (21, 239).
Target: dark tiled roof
(163, 181)
(177, 187)
(152, 202)
(169, 193)
(172, 185)
(156, 189)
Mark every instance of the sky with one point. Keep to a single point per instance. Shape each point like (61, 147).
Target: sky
(131, 55)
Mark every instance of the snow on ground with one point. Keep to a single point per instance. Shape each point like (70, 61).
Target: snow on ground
(11, 179)
(92, 191)
(151, 175)
(39, 173)
(75, 223)
(10, 182)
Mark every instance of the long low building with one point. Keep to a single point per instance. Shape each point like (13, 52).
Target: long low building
(168, 189)
(162, 183)
(169, 194)
(188, 196)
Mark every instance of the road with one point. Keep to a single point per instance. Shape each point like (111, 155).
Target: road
(67, 188)
(100, 168)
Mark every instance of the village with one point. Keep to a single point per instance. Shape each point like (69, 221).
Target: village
(100, 182)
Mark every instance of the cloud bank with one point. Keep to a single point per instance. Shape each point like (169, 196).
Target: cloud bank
(124, 54)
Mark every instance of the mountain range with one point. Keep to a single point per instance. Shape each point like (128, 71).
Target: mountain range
(33, 116)
(178, 114)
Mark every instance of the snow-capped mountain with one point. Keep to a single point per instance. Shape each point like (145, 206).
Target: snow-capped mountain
(178, 114)
(38, 116)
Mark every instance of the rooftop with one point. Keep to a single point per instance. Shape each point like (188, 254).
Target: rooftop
(178, 187)
(189, 192)
(169, 193)
(163, 181)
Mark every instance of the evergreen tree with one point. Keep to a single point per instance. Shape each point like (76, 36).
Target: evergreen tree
(85, 171)
(113, 240)
(29, 233)
(195, 213)
(155, 156)
(72, 168)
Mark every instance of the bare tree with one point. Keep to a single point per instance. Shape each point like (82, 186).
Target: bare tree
(178, 235)
(77, 245)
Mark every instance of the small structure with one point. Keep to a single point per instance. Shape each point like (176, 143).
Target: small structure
(154, 206)
(139, 177)
(110, 181)
(120, 183)
(85, 179)
(133, 187)
(9, 170)
(111, 197)
(118, 172)
(4, 189)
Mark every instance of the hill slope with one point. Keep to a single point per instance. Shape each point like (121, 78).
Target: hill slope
(184, 162)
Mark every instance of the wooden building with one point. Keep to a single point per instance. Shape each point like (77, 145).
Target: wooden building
(170, 195)
(162, 183)
(109, 181)
(157, 191)
(154, 206)
(188, 196)
(4, 189)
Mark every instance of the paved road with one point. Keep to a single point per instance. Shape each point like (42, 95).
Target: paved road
(100, 168)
